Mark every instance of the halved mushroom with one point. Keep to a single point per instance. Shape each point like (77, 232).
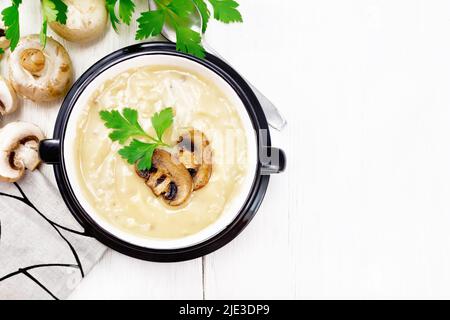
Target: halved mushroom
(86, 20)
(168, 179)
(4, 43)
(8, 98)
(19, 142)
(194, 152)
(40, 74)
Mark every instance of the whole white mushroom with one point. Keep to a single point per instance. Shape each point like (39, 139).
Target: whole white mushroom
(8, 98)
(40, 74)
(86, 20)
(19, 143)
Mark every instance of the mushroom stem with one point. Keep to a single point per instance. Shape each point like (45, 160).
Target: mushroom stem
(33, 60)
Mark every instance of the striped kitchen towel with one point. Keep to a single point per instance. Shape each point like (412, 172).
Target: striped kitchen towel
(44, 253)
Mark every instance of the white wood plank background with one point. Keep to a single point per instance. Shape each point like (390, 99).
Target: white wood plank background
(363, 210)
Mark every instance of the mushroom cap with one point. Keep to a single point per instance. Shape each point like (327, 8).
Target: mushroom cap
(19, 142)
(51, 78)
(8, 98)
(195, 153)
(168, 179)
(86, 20)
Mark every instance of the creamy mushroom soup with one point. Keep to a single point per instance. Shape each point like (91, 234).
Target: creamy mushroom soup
(112, 186)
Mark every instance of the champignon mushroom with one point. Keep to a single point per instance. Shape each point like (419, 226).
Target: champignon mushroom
(168, 179)
(86, 20)
(8, 98)
(194, 152)
(4, 43)
(40, 74)
(19, 143)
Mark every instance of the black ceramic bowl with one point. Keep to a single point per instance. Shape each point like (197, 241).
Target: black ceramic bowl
(269, 160)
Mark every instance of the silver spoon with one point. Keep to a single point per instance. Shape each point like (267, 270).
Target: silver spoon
(274, 118)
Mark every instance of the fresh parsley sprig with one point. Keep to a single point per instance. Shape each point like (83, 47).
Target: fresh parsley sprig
(10, 17)
(52, 10)
(150, 23)
(126, 126)
(175, 12)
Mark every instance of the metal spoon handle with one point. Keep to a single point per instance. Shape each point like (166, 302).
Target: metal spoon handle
(274, 117)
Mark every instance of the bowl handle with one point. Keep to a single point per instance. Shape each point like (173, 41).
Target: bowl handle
(273, 160)
(50, 151)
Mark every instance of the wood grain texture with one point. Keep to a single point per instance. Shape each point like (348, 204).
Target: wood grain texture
(116, 276)
(363, 209)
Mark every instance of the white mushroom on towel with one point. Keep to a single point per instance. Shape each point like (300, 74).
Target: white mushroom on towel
(8, 98)
(86, 20)
(40, 74)
(19, 143)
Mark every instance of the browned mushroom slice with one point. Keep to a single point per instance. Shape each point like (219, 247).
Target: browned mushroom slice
(168, 179)
(194, 152)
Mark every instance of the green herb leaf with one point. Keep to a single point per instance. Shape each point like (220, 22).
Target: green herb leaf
(181, 8)
(111, 8)
(162, 121)
(139, 152)
(2, 51)
(150, 24)
(10, 17)
(52, 10)
(226, 11)
(189, 41)
(204, 12)
(61, 8)
(126, 10)
(43, 34)
(125, 126)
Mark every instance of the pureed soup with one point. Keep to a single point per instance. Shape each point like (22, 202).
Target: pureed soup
(112, 186)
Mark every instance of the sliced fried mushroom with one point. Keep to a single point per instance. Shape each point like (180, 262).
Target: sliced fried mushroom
(8, 98)
(168, 179)
(194, 152)
(40, 74)
(19, 142)
(86, 20)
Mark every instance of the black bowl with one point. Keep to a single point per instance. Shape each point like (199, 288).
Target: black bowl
(51, 152)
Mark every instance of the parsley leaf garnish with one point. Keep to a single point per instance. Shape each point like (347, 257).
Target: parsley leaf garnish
(140, 153)
(189, 41)
(111, 7)
(10, 17)
(226, 11)
(162, 121)
(150, 24)
(176, 13)
(52, 10)
(126, 10)
(126, 126)
(181, 8)
(204, 11)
